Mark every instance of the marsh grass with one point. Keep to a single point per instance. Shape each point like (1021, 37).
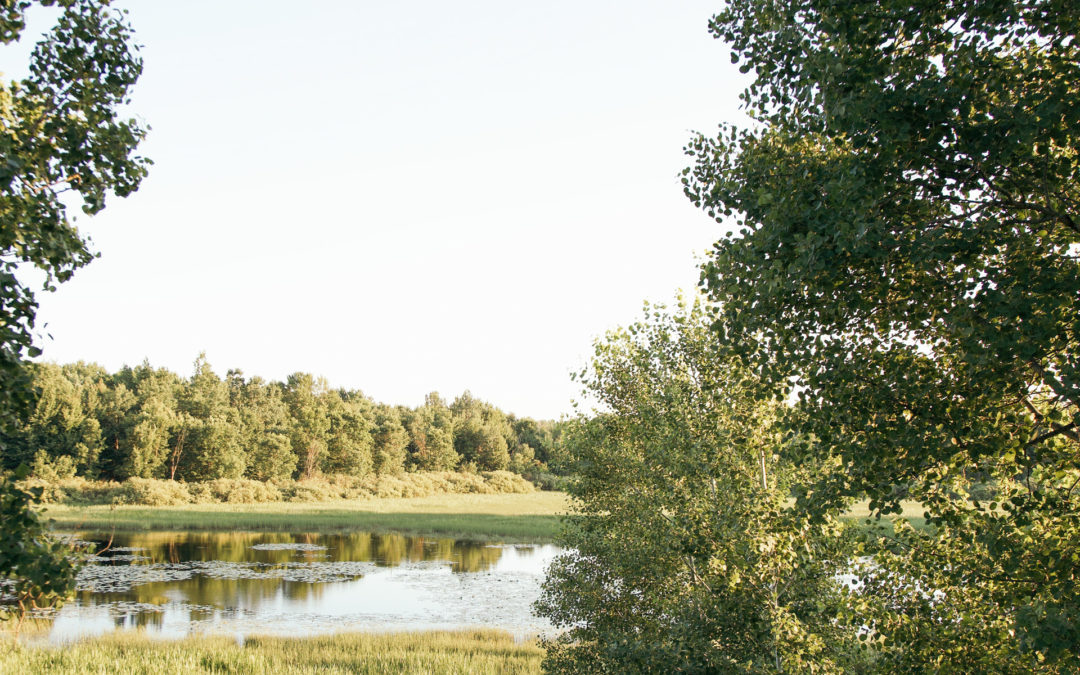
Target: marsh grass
(476, 651)
(531, 517)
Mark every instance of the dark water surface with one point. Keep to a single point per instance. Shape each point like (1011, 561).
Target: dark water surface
(173, 584)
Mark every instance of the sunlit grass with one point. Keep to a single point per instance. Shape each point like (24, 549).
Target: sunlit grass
(912, 511)
(511, 517)
(533, 517)
(478, 651)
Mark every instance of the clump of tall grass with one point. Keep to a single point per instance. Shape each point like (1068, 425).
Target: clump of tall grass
(155, 492)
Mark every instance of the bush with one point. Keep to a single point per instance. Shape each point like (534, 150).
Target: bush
(48, 492)
(307, 491)
(507, 482)
(548, 481)
(242, 491)
(154, 492)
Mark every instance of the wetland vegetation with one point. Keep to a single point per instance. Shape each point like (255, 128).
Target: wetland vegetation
(465, 652)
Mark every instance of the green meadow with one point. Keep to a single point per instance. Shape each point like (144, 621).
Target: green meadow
(528, 517)
(532, 517)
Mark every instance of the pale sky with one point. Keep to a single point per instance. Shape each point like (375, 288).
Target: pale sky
(401, 197)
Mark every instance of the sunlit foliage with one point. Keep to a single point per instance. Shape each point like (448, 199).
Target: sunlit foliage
(907, 210)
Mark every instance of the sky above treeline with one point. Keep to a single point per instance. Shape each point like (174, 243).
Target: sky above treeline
(401, 197)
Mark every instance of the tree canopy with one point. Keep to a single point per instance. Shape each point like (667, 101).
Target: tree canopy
(907, 208)
(148, 422)
(60, 132)
(685, 557)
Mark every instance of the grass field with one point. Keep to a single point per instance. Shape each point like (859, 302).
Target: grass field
(481, 651)
(533, 517)
(529, 517)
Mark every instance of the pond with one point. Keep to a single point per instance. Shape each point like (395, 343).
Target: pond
(180, 583)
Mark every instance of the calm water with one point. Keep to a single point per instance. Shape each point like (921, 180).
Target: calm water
(179, 583)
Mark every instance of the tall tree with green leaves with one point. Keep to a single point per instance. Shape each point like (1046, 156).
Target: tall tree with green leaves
(349, 444)
(265, 426)
(150, 449)
(480, 433)
(116, 414)
(431, 430)
(206, 436)
(306, 397)
(390, 441)
(684, 556)
(60, 136)
(60, 132)
(906, 257)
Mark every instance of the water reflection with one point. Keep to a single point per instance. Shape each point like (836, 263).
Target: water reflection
(175, 583)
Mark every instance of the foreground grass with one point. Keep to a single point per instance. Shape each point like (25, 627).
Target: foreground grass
(529, 517)
(480, 651)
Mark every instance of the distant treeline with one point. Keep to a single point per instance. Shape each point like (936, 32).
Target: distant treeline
(149, 422)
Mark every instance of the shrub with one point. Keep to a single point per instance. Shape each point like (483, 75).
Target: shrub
(159, 492)
(155, 492)
(200, 493)
(308, 491)
(242, 491)
(507, 482)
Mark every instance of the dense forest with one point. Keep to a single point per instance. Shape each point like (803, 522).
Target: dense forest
(148, 422)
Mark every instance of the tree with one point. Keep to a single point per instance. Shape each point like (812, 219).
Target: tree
(115, 413)
(149, 447)
(305, 396)
(535, 435)
(59, 436)
(684, 557)
(390, 441)
(63, 431)
(150, 450)
(909, 219)
(349, 443)
(214, 451)
(206, 437)
(265, 426)
(36, 571)
(59, 132)
(480, 433)
(431, 429)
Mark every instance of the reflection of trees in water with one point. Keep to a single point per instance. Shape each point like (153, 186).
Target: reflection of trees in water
(385, 549)
(200, 574)
(355, 546)
(390, 549)
(216, 588)
(139, 619)
(475, 557)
